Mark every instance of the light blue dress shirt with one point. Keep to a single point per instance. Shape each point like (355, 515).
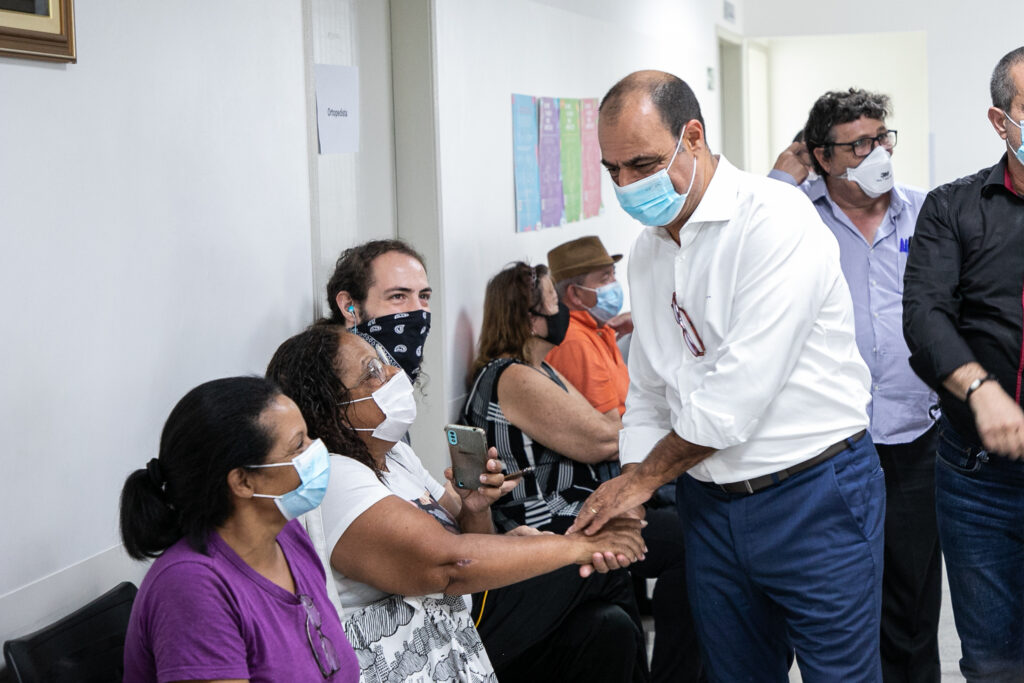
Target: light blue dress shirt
(901, 403)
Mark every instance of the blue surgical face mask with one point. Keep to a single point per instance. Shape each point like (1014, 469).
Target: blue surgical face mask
(653, 200)
(1019, 152)
(609, 301)
(314, 468)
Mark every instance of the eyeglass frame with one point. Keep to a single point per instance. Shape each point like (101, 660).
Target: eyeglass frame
(375, 368)
(876, 141)
(326, 645)
(697, 349)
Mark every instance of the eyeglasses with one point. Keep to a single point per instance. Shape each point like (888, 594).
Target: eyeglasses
(863, 146)
(375, 368)
(323, 649)
(690, 334)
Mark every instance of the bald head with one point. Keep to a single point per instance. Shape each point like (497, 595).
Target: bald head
(671, 96)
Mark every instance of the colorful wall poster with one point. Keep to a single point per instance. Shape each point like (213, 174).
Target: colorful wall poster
(571, 158)
(527, 173)
(591, 158)
(549, 157)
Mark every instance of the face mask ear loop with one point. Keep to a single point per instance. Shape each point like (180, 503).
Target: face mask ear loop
(692, 175)
(1020, 127)
(679, 144)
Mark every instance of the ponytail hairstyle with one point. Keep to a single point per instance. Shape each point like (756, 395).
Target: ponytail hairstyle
(511, 297)
(307, 368)
(184, 493)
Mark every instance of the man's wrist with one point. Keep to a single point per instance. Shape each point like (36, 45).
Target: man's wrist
(977, 384)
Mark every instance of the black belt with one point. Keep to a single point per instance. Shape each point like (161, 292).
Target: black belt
(764, 481)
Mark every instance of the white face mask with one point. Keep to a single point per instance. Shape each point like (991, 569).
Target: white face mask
(396, 401)
(874, 174)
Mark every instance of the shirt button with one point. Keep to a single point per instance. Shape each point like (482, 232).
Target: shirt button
(876, 387)
(876, 315)
(874, 283)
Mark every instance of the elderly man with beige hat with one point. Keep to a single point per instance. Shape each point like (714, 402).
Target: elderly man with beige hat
(584, 276)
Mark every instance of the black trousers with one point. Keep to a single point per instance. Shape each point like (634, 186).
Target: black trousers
(912, 576)
(559, 627)
(676, 649)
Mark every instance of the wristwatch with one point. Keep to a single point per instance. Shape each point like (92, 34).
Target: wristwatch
(973, 386)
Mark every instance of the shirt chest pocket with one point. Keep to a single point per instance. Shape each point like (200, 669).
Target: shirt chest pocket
(901, 269)
(902, 252)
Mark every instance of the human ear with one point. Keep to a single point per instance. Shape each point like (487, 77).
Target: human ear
(997, 118)
(347, 307)
(572, 297)
(239, 483)
(819, 154)
(693, 136)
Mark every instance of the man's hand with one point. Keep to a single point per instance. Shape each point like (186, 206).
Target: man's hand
(999, 419)
(612, 499)
(796, 161)
(622, 324)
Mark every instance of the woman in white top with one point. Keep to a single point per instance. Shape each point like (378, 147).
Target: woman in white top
(393, 532)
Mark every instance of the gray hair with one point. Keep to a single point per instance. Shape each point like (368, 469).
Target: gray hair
(1002, 87)
(562, 286)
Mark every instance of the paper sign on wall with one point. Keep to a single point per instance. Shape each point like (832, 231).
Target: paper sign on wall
(527, 171)
(591, 157)
(557, 161)
(549, 157)
(572, 158)
(337, 108)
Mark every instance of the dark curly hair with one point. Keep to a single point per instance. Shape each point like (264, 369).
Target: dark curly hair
(307, 369)
(511, 296)
(834, 108)
(213, 429)
(353, 272)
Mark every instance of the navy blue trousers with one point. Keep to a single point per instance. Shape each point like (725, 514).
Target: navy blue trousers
(796, 567)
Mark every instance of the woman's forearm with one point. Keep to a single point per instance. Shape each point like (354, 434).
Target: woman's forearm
(484, 562)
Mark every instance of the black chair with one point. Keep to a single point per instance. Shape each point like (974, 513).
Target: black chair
(86, 646)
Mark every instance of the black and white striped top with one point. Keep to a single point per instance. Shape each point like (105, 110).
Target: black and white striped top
(550, 497)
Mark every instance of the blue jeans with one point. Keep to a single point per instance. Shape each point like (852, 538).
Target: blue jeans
(979, 500)
(796, 566)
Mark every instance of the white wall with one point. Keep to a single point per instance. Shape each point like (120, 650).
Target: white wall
(963, 45)
(488, 49)
(155, 222)
(803, 68)
(353, 194)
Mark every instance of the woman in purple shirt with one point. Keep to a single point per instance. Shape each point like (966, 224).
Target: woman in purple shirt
(237, 591)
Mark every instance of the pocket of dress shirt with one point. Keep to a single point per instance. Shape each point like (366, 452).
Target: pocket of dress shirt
(901, 264)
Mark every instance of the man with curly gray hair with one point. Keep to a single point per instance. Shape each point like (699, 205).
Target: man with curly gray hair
(872, 217)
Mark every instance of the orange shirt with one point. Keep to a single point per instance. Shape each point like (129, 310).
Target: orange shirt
(590, 359)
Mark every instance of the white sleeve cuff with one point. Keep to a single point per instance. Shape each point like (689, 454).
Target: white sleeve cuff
(705, 426)
(636, 442)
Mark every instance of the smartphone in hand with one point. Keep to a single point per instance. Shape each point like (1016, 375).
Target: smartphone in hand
(468, 449)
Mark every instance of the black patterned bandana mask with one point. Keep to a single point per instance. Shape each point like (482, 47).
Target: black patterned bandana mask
(402, 336)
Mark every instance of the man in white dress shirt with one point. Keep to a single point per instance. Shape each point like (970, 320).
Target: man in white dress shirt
(745, 378)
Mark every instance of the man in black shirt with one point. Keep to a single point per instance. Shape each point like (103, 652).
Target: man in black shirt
(963, 318)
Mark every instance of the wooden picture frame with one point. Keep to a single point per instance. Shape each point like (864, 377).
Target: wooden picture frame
(49, 37)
